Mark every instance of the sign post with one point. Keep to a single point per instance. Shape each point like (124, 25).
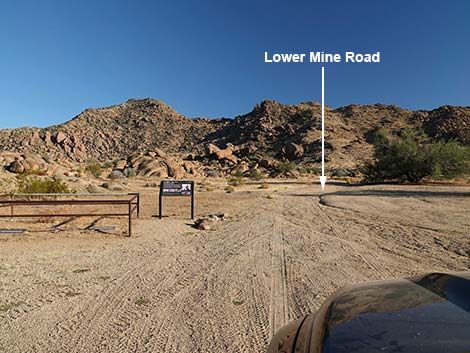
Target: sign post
(176, 188)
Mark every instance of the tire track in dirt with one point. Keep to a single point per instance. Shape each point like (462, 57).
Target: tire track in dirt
(278, 306)
(174, 297)
(228, 290)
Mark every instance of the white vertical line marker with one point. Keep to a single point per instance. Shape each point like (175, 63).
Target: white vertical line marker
(323, 177)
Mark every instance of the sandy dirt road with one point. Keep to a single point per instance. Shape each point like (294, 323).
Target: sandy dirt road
(172, 288)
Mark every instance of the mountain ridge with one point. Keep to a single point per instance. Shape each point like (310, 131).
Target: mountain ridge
(271, 130)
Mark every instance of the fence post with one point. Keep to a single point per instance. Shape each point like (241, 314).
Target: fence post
(138, 205)
(160, 201)
(130, 218)
(192, 200)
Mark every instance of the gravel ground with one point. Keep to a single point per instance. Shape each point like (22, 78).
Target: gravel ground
(172, 288)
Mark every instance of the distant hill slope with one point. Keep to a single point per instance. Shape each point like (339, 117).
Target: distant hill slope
(271, 130)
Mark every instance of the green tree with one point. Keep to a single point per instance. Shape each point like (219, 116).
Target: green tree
(411, 157)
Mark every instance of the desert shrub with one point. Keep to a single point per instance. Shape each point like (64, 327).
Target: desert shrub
(235, 180)
(342, 172)
(34, 185)
(255, 174)
(130, 172)
(47, 158)
(108, 164)
(411, 157)
(309, 169)
(94, 168)
(286, 167)
(80, 171)
(238, 174)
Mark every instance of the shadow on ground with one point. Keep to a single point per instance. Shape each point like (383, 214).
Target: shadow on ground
(390, 193)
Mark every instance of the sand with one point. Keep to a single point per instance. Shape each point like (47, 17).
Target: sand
(172, 288)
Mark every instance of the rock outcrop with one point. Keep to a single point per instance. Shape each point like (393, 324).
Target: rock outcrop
(149, 138)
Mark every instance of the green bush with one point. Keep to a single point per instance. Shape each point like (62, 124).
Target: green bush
(235, 180)
(309, 169)
(450, 160)
(130, 172)
(286, 167)
(255, 174)
(108, 164)
(238, 174)
(35, 185)
(411, 157)
(94, 168)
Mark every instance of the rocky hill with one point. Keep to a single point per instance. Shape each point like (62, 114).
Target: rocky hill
(270, 132)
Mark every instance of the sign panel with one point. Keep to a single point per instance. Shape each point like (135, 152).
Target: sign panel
(176, 188)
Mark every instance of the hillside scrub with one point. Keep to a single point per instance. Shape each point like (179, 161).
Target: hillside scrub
(410, 157)
(286, 167)
(235, 180)
(94, 168)
(35, 185)
(256, 174)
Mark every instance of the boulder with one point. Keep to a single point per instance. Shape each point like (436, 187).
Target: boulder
(139, 159)
(17, 167)
(175, 170)
(241, 168)
(247, 150)
(121, 164)
(293, 151)
(48, 139)
(153, 168)
(59, 137)
(190, 167)
(209, 222)
(117, 175)
(211, 173)
(232, 159)
(215, 152)
(191, 157)
(267, 163)
(35, 139)
(159, 153)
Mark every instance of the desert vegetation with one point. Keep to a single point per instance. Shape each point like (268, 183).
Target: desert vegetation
(37, 185)
(411, 157)
(273, 140)
(94, 168)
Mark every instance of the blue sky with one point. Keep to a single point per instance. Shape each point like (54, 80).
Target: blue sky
(205, 58)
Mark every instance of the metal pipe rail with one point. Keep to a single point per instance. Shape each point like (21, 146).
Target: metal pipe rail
(132, 201)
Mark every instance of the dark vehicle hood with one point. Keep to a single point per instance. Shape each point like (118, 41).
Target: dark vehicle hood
(428, 314)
